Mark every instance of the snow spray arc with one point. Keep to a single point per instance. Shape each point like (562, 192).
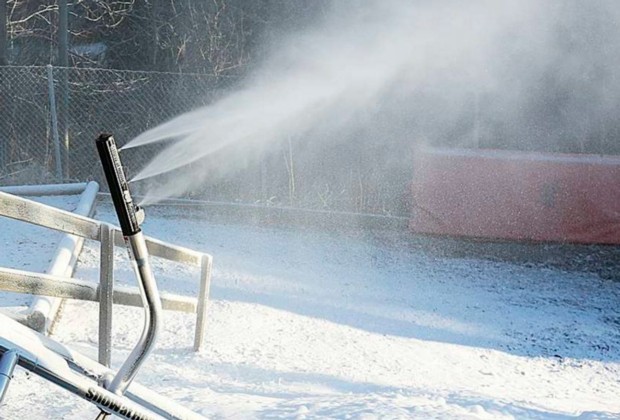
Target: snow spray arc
(423, 66)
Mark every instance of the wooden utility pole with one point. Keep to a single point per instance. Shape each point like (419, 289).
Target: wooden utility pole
(63, 61)
(3, 51)
(63, 34)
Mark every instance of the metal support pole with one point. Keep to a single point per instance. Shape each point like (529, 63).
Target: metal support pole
(203, 297)
(54, 115)
(152, 315)
(106, 294)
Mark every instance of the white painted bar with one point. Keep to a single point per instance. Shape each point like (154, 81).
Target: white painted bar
(29, 211)
(46, 189)
(20, 281)
(42, 312)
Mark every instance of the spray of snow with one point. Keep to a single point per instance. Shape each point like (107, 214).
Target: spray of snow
(349, 65)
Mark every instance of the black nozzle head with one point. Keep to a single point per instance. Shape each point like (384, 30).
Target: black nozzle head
(118, 185)
(103, 137)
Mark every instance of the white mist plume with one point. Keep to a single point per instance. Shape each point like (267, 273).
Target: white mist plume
(361, 53)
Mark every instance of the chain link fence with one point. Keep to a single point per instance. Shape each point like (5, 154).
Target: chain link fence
(123, 103)
(26, 144)
(50, 116)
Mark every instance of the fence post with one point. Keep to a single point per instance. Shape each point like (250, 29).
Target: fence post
(54, 115)
(64, 119)
(106, 294)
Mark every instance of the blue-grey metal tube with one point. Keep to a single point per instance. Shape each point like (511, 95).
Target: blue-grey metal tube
(8, 361)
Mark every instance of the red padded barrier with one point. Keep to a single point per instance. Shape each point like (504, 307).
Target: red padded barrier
(517, 195)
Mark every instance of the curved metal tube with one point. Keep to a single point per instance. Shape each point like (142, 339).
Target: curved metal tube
(152, 312)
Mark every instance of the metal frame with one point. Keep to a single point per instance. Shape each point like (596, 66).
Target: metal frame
(19, 208)
(74, 373)
(20, 281)
(79, 375)
(43, 310)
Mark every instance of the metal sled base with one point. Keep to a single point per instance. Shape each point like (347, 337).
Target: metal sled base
(79, 375)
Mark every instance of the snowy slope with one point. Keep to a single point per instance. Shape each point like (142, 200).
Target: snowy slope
(326, 325)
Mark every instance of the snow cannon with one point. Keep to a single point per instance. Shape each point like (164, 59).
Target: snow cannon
(93, 381)
(130, 218)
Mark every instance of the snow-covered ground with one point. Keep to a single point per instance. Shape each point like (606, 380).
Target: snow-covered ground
(306, 324)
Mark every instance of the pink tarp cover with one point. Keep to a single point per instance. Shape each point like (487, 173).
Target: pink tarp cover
(517, 195)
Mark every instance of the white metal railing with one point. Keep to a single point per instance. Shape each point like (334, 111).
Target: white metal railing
(40, 214)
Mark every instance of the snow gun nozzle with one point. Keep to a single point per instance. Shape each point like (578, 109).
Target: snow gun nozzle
(129, 215)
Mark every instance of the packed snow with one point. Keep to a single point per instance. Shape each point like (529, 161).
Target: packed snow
(306, 323)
